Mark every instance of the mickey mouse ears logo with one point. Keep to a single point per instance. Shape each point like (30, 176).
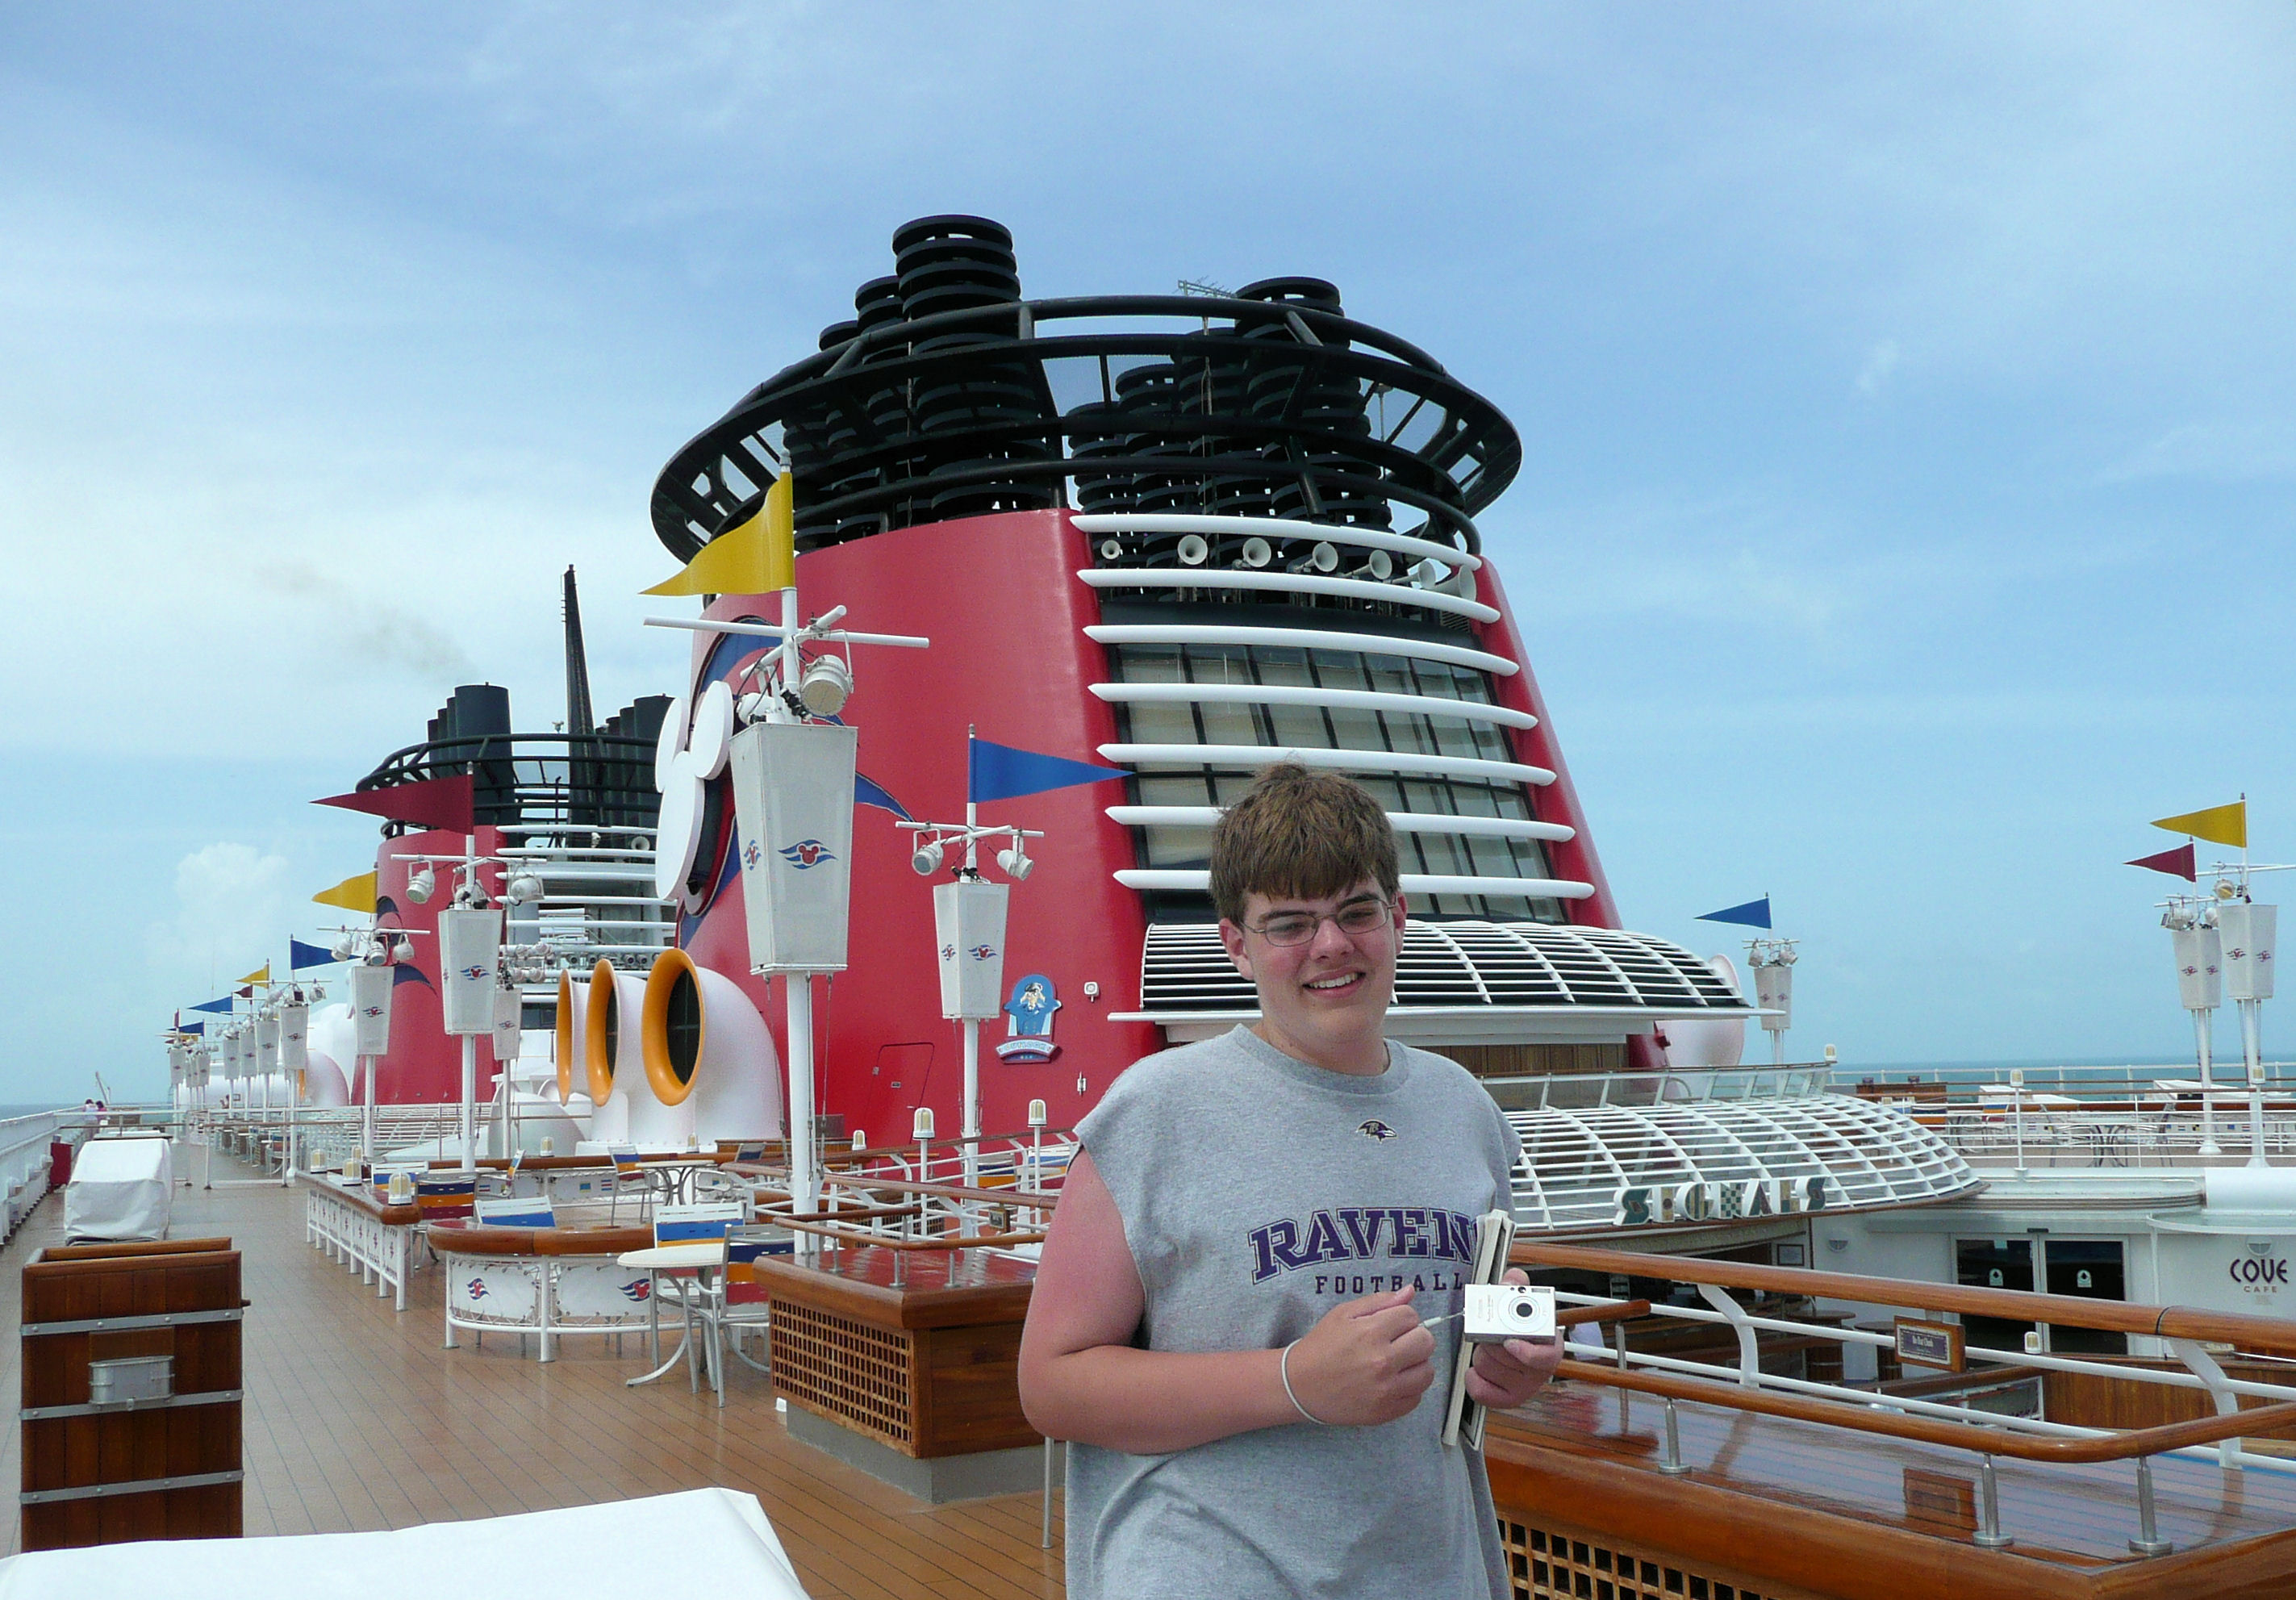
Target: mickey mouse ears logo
(807, 854)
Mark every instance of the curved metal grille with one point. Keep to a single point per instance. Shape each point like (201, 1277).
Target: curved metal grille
(1575, 1163)
(1461, 963)
(949, 395)
(537, 782)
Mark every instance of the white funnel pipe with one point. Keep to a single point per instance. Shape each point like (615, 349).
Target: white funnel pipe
(615, 1058)
(707, 1054)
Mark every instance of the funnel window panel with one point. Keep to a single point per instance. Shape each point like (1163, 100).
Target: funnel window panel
(681, 1030)
(1234, 723)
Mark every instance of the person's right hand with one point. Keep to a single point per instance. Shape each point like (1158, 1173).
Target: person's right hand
(1366, 1362)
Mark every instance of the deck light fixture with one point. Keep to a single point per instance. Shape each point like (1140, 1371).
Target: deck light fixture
(826, 685)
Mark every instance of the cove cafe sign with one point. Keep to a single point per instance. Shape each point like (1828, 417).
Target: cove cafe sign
(1640, 1206)
(2260, 1270)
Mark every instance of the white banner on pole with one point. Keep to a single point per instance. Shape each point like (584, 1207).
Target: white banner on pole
(469, 945)
(2247, 933)
(294, 1038)
(969, 926)
(371, 987)
(2200, 968)
(793, 802)
(266, 1045)
(1774, 991)
(510, 1013)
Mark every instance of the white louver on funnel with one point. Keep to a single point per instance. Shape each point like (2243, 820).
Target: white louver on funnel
(1457, 970)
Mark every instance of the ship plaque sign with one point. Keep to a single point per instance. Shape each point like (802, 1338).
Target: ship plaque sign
(1937, 1344)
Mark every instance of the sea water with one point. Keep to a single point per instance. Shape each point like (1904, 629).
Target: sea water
(2092, 1075)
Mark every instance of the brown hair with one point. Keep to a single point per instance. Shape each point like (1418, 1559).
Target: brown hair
(1301, 834)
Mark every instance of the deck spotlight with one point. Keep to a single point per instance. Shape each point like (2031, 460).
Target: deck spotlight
(1192, 550)
(927, 860)
(419, 884)
(402, 949)
(523, 888)
(826, 685)
(1258, 551)
(345, 949)
(1018, 865)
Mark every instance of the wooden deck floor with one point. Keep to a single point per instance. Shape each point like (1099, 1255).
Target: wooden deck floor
(357, 1419)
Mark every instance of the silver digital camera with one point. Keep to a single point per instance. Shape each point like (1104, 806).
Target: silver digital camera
(1509, 1311)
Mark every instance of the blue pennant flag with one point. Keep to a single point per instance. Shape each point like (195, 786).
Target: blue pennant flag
(199, 1028)
(868, 793)
(999, 772)
(1754, 914)
(300, 955)
(223, 1005)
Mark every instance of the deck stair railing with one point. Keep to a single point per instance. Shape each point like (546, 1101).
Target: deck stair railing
(944, 1197)
(2201, 1341)
(24, 1174)
(2085, 1116)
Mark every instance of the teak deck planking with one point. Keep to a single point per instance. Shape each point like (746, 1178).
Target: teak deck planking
(357, 1419)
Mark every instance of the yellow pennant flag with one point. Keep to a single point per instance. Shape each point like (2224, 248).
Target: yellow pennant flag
(2219, 825)
(261, 974)
(352, 894)
(757, 557)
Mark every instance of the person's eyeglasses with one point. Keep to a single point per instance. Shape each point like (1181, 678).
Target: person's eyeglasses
(1354, 919)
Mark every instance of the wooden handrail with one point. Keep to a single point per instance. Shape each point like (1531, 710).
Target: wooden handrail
(1034, 1199)
(1610, 1311)
(1960, 1436)
(2266, 1334)
(894, 1241)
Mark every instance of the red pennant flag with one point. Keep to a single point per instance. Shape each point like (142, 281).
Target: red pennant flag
(432, 803)
(247, 993)
(2177, 863)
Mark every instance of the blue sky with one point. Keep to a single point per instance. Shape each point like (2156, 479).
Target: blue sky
(1905, 395)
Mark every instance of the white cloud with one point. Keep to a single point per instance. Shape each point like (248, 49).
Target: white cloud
(2215, 452)
(232, 903)
(1880, 361)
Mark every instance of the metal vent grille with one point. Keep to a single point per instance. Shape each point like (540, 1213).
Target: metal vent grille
(1183, 968)
(1575, 1163)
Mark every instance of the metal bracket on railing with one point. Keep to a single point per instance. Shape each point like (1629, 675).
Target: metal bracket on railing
(1988, 1534)
(1672, 1463)
(2148, 1540)
(1750, 1357)
(2204, 1366)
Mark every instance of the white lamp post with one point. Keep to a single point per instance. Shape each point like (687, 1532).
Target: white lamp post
(792, 780)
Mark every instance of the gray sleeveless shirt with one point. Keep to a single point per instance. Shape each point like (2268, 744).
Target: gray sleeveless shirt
(1257, 1192)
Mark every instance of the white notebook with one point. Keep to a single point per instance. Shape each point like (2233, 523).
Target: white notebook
(1494, 1236)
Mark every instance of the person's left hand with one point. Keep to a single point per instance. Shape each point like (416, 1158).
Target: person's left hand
(1505, 1374)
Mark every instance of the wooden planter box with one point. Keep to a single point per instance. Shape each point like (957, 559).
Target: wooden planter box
(163, 1467)
(929, 1367)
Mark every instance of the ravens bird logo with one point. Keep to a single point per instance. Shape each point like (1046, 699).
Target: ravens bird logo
(1376, 1130)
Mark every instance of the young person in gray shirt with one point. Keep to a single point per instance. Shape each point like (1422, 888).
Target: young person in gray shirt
(1227, 1323)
